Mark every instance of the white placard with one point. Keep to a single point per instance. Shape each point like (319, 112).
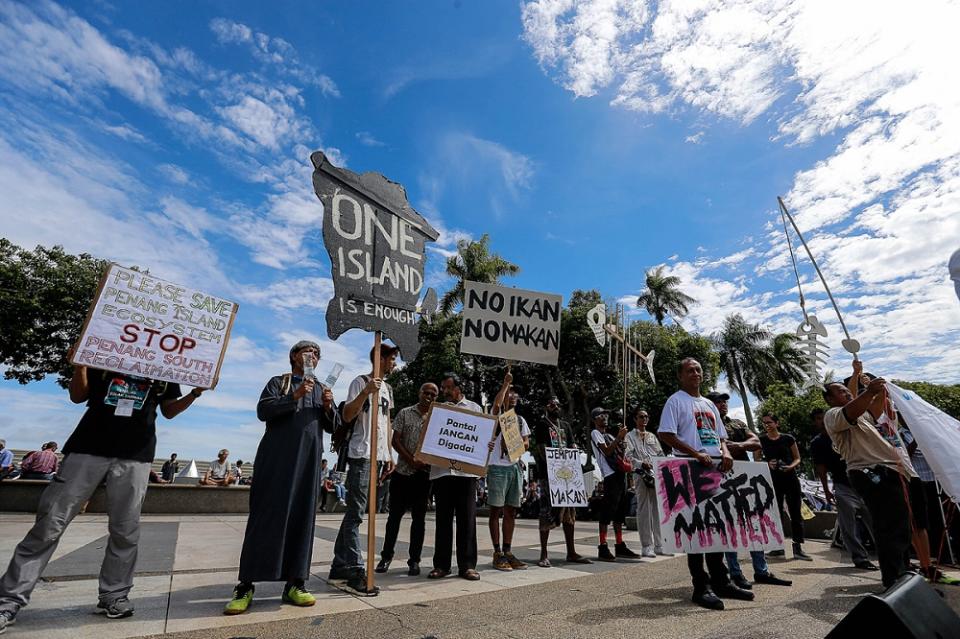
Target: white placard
(144, 326)
(511, 323)
(565, 478)
(703, 510)
(459, 435)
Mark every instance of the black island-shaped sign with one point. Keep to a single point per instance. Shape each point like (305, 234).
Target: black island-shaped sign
(377, 247)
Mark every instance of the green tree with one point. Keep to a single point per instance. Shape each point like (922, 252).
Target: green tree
(787, 361)
(473, 262)
(44, 298)
(745, 358)
(662, 296)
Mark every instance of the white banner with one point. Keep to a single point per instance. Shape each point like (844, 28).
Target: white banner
(511, 323)
(702, 510)
(565, 478)
(457, 434)
(144, 326)
(937, 435)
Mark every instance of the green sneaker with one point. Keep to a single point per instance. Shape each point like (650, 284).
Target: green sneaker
(297, 596)
(242, 597)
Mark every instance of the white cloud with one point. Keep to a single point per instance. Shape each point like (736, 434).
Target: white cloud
(124, 131)
(174, 173)
(696, 138)
(879, 211)
(367, 139)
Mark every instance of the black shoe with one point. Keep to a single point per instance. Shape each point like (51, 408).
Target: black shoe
(866, 564)
(776, 553)
(741, 582)
(621, 550)
(414, 569)
(342, 573)
(383, 566)
(357, 584)
(730, 591)
(604, 554)
(770, 579)
(799, 554)
(707, 599)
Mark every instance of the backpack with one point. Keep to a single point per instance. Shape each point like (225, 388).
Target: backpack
(340, 440)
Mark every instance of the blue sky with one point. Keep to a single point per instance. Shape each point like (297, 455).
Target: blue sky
(592, 140)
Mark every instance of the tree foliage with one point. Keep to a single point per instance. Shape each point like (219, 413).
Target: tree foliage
(745, 357)
(662, 296)
(473, 262)
(44, 298)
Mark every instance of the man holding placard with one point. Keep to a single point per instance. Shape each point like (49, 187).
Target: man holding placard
(455, 492)
(504, 477)
(552, 432)
(347, 552)
(114, 443)
(691, 425)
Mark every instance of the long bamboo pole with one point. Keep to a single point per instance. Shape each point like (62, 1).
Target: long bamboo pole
(372, 473)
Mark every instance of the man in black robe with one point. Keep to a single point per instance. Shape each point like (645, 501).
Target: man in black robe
(278, 543)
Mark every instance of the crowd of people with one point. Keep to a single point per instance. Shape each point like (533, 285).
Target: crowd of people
(864, 456)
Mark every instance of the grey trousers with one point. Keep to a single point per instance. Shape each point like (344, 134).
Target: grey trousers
(73, 485)
(648, 520)
(848, 505)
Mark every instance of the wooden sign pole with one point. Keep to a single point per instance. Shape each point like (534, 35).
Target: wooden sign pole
(373, 474)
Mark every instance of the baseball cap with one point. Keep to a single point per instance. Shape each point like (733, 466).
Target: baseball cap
(718, 397)
(596, 412)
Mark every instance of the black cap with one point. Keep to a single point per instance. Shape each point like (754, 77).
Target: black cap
(598, 411)
(714, 396)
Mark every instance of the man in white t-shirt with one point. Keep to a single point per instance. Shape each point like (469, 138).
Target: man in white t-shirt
(219, 473)
(505, 483)
(347, 552)
(455, 493)
(693, 427)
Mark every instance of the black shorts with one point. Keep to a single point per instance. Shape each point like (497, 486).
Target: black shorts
(918, 504)
(616, 503)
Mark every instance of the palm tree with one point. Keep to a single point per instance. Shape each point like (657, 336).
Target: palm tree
(745, 358)
(789, 361)
(475, 263)
(663, 296)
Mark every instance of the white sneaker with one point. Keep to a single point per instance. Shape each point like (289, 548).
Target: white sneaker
(647, 551)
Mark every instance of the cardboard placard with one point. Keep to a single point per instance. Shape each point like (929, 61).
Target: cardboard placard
(511, 323)
(703, 510)
(456, 438)
(565, 478)
(141, 325)
(512, 444)
(377, 247)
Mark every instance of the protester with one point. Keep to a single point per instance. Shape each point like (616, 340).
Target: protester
(783, 456)
(608, 451)
(641, 447)
(347, 552)
(219, 472)
(41, 464)
(115, 443)
(741, 440)
(6, 460)
(691, 425)
(278, 541)
(456, 493)
(411, 482)
(238, 472)
(826, 461)
(170, 468)
(552, 432)
(875, 470)
(505, 483)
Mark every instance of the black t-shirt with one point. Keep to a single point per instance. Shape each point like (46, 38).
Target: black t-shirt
(778, 448)
(547, 435)
(822, 452)
(104, 431)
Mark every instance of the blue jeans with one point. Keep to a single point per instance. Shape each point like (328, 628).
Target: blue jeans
(347, 551)
(756, 556)
(340, 491)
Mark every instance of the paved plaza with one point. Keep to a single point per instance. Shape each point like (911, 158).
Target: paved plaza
(188, 566)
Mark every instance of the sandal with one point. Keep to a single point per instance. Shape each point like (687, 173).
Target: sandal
(436, 573)
(545, 563)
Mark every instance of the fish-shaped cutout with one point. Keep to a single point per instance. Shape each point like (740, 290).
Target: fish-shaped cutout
(596, 318)
(813, 349)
